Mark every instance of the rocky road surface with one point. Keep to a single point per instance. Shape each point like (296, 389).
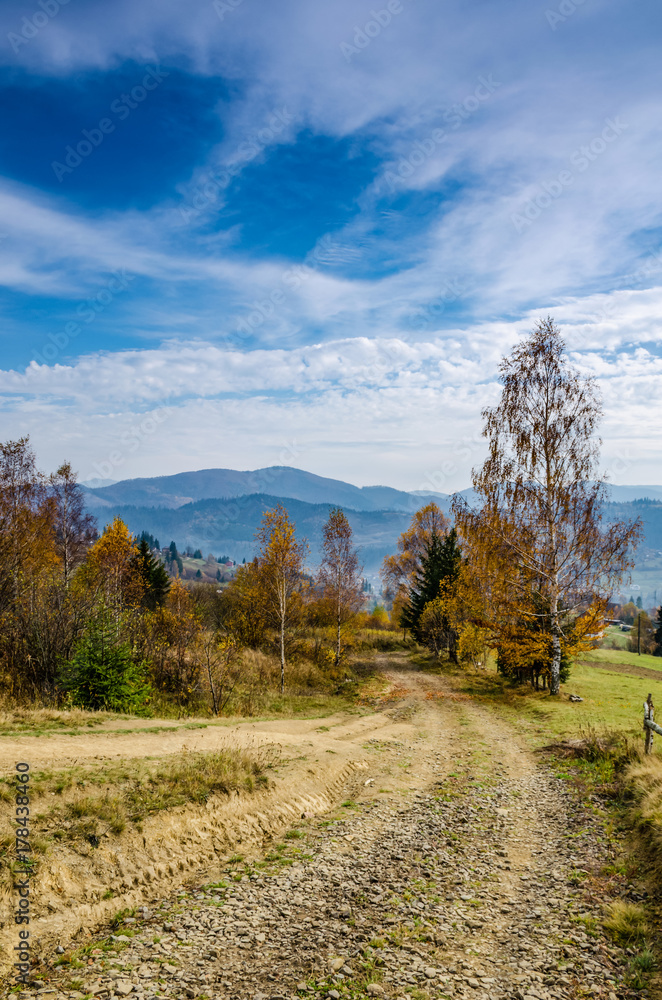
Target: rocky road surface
(458, 866)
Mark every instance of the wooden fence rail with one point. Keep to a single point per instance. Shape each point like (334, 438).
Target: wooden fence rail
(650, 726)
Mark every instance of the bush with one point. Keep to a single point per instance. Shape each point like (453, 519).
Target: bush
(102, 673)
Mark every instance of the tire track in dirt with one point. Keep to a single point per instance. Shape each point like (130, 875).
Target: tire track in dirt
(314, 770)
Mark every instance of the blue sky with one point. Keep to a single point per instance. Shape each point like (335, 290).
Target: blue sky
(243, 234)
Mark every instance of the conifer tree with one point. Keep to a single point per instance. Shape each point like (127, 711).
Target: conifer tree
(103, 674)
(441, 562)
(155, 580)
(657, 635)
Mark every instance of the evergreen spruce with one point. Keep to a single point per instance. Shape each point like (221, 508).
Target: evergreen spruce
(657, 635)
(102, 673)
(154, 577)
(441, 561)
(150, 539)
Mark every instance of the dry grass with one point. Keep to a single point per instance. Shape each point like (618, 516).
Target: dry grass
(41, 720)
(627, 923)
(599, 745)
(645, 784)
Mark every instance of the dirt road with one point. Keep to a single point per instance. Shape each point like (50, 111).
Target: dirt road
(458, 867)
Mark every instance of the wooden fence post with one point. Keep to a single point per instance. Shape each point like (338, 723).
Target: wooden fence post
(649, 716)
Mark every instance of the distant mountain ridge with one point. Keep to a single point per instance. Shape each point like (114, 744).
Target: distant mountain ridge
(229, 526)
(222, 484)
(219, 510)
(284, 481)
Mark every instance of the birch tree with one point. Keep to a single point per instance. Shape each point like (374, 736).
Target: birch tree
(75, 529)
(537, 529)
(339, 576)
(281, 563)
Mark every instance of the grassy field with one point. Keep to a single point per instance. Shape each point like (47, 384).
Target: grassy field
(610, 701)
(614, 636)
(622, 656)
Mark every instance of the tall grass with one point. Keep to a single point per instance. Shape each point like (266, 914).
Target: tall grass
(644, 782)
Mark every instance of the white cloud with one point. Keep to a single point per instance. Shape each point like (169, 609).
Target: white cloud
(368, 410)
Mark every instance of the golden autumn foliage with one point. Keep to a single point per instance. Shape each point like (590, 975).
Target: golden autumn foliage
(170, 633)
(38, 621)
(399, 571)
(244, 614)
(536, 539)
(111, 566)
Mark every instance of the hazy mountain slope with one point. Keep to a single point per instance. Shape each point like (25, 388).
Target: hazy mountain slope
(650, 512)
(626, 494)
(282, 481)
(228, 527)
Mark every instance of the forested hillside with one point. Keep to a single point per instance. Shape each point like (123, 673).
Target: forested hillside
(229, 525)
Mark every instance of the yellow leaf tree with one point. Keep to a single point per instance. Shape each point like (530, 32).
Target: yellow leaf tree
(339, 577)
(281, 563)
(242, 606)
(111, 566)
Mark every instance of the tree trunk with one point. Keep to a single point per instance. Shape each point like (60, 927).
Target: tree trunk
(452, 647)
(282, 656)
(211, 687)
(555, 677)
(338, 642)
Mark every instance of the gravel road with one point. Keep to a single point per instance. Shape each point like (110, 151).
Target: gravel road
(463, 868)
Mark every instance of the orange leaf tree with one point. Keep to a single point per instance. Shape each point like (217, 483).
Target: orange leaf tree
(399, 571)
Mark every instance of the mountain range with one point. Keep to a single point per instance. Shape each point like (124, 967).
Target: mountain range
(281, 481)
(219, 510)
